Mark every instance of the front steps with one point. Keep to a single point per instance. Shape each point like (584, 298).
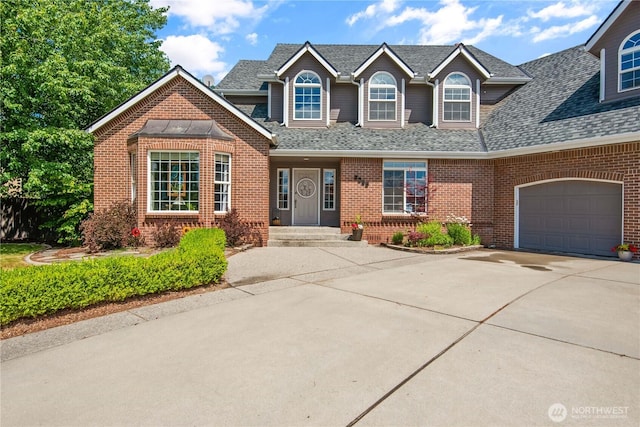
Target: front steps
(328, 237)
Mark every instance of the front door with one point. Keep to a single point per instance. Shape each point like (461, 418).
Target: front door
(306, 196)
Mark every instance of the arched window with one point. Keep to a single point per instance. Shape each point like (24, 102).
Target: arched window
(307, 102)
(457, 98)
(382, 97)
(630, 62)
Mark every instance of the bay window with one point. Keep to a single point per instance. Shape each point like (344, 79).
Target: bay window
(174, 181)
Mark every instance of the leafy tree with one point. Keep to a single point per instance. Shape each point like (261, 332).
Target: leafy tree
(66, 63)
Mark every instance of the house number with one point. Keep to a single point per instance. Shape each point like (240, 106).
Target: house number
(306, 188)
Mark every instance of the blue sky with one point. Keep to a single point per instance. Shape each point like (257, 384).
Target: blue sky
(210, 36)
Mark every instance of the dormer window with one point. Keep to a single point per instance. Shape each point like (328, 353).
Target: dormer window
(308, 103)
(382, 97)
(630, 63)
(457, 98)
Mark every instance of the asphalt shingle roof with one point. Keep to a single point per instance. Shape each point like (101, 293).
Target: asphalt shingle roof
(560, 104)
(347, 58)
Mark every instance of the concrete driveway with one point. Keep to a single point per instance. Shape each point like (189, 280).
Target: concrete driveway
(351, 336)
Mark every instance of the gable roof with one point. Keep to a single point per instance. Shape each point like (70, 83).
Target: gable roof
(461, 50)
(179, 72)
(345, 59)
(604, 27)
(307, 47)
(384, 49)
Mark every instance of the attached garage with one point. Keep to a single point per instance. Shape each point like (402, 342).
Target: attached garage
(573, 216)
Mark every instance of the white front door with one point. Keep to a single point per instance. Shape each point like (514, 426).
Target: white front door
(306, 196)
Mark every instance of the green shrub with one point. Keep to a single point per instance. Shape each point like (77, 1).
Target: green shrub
(433, 235)
(460, 234)
(476, 240)
(35, 291)
(430, 228)
(438, 240)
(397, 238)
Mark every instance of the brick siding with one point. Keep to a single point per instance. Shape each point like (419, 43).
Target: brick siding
(178, 99)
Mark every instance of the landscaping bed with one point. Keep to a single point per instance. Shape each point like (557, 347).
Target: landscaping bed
(33, 292)
(434, 250)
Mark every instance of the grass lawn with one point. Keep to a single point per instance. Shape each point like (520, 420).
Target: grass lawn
(12, 254)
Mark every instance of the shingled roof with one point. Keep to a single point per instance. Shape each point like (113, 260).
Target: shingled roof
(559, 105)
(347, 58)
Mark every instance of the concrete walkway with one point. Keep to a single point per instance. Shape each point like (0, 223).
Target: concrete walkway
(351, 336)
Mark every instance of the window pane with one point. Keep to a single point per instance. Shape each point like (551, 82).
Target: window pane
(174, 181)
(283, 189)
(457, 111)
(329, 189)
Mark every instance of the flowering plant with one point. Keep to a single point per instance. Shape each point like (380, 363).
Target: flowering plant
(135, 232)
(357, 224)
(626, 247)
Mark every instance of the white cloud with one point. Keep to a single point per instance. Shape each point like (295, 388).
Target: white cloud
(566, 30)
(451, 23)
(561, 10)
(196, 54)
(216, 18)
(383, 7)
(252, 38)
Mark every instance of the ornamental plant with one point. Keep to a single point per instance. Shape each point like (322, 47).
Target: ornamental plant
(357, 224)
(625, 247)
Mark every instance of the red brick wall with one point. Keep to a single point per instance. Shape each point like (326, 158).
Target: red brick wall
(180, 100)
(456, 187)
(620, 162)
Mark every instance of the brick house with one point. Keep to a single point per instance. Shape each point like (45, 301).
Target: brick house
(542, 156)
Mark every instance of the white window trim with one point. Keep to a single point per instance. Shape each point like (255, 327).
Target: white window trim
(278, 188)
(445, 86)
(395, 99)
(213, 192)
(296, 85)
(626, 52)
(133, 170)
(149, 199)
(404, 196)
(334, 190)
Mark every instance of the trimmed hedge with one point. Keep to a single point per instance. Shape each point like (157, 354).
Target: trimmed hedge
(29, 292)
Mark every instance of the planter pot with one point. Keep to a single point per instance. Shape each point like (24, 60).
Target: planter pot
(275, 222)
(625, 255)
(356, 234)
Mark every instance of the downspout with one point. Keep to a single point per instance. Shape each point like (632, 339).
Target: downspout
(328, 102)
(285, 103)
(402, 104)
(436, 89)
(478, 104)
(360, 84)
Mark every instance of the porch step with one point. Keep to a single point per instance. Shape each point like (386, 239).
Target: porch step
(310, 237)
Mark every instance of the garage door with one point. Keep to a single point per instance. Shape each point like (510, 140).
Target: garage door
(583, 217)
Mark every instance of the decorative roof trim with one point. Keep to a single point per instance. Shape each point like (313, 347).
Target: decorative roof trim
(242, 92)
(307, 47)
(604, 27)
(478, 155)
(461, 50)
(384, 48)
(172, 74)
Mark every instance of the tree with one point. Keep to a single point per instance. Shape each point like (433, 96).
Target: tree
(65, 63)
